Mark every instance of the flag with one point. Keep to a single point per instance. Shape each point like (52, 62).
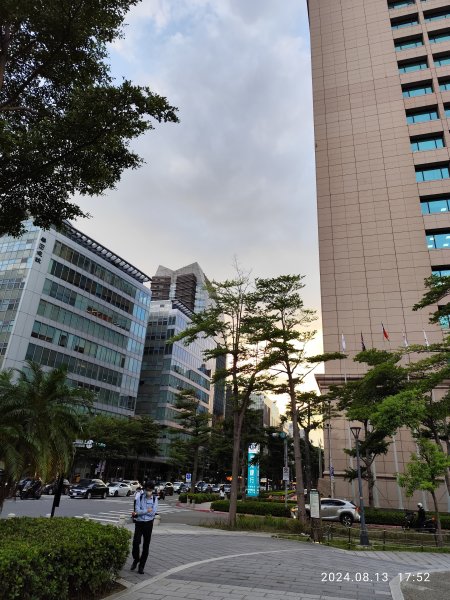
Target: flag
(427, 343)
(385, 333)
(405, 340)
(363, 346)
(344, 347)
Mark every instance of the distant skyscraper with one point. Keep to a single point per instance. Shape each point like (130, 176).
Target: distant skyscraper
(381, 101)
(67, 300)
(186, 285)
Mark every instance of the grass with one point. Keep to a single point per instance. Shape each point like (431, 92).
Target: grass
(256, 523)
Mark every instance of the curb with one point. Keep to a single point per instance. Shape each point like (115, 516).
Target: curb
(395, 584)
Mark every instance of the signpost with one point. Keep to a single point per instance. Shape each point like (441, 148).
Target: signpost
(316, 521)
(252, 471)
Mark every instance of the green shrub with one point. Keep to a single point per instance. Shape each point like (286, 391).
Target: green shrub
(392, 516)
(266, 523)
(54, 558)
(250, 507)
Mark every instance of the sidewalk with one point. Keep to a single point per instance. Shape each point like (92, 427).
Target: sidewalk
(196, 563)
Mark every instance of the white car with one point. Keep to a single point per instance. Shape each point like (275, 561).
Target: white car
(119, 488)
(133, 483)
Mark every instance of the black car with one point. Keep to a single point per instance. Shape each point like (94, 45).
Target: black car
(50, 488)
(89, 488)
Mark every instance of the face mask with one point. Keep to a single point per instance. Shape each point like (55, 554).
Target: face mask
(148, 493)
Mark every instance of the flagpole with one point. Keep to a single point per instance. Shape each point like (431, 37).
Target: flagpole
(344, 348)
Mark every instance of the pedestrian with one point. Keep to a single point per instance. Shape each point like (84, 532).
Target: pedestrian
(145, 508)
(421, 517)
(222, 493)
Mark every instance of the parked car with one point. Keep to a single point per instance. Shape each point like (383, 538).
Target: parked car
(164, 488)
(88, 488)
(119, 488)
(133, 483)
(334, 509)
(176, 486)
(32, 488)
(215, 488)
(204, 488)
(185, 488)
(50, 488)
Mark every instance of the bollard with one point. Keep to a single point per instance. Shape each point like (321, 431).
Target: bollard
(48, 515)
(122, 519)
(157, 520)
(86, 516)
(10, 516)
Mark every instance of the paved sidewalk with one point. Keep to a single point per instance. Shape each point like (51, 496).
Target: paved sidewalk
(195, 563)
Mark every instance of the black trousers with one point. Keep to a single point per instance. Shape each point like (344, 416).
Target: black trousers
(142, 530)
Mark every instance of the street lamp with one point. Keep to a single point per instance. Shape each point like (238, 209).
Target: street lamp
(330, 464)
(363, 535)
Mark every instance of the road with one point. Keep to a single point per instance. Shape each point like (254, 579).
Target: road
(108, 510)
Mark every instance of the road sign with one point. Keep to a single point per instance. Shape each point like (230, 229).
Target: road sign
(79, 443)
(285, 473)
(314, 504)
(89, 444)
(188, 477)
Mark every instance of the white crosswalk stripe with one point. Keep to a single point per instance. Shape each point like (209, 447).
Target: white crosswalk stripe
(113, 516)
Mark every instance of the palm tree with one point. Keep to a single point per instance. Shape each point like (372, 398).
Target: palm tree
(40, 417)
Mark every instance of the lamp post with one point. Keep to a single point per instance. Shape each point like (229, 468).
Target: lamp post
(330, 463)
(363, 535)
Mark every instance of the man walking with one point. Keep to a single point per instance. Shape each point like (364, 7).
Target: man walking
(145, 508)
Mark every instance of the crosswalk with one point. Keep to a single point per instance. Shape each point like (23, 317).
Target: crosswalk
(115, 516)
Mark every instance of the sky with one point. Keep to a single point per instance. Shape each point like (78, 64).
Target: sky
(235, 178)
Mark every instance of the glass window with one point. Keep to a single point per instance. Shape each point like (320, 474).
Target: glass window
(428, 143)
(444, 85)
(400, 4)
(422, 115)
(417, 65)
(436, 38)
(437, 16)
(431, 173)
(441, 271)
(442, 61)
(409, 22)
(435, 206)
(437, 241)
(410, 91)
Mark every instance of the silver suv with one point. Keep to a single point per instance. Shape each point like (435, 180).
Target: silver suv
(335, 509)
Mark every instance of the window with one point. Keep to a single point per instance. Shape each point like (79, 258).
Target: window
(432, 173)
(400, 4)
(442, 60)
(437, 15)
(441, 271)
(409, 43)
(410, 91)
(417, 65)
(422, 115)
(427, 143)
(408, 22)
(439, 36)
(444, 320)
(436, 205)
(437, 241)
(447, 110)
(444, 85)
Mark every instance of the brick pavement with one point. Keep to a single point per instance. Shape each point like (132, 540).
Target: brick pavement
(202, 564)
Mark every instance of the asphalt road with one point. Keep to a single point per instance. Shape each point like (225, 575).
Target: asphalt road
(108, 510)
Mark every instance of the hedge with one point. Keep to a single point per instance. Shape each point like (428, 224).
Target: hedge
(59, 558)
(391, 516)
(251, 507)
(200, 498)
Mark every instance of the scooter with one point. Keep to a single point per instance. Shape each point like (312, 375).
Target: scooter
(32, 489)
(429, 526)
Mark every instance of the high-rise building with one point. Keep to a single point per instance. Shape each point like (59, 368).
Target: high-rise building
(67, 300)
(168, 369)
(186, 285)
(381, 81)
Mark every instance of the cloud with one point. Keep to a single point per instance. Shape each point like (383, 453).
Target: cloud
(236, 176)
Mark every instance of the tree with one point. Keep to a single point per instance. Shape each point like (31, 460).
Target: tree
(281, 321)
(192, 434)
(361, 401)
(65, 125)
(229, 322)
(41, 414)
(423, 473)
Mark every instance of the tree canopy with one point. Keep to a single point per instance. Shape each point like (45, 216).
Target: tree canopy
(65, 124)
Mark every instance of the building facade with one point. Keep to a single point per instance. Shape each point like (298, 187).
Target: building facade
(381, 92)
(186, 284)
(67, 300)
(168, 369)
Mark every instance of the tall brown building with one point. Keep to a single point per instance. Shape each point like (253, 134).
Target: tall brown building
(381, 86)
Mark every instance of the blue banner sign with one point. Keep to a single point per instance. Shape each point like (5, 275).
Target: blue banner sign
(253, 472)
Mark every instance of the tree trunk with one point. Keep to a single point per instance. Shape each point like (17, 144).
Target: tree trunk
(440, 541)
(194, 469)
(136, 468)
(237, 429)
(301, 514)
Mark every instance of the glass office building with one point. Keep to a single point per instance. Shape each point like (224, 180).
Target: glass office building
(67, 300)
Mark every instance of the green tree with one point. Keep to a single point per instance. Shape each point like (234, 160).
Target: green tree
(423, 473)
(229, 322)
(361, 400)
(42, 414)
(281, 321)
(192, 433)
(65, 125)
